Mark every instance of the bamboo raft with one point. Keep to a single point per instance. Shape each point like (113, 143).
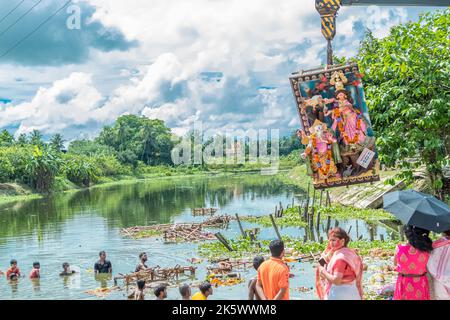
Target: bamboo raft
(157, 274)
(203, 211)
(189, 232)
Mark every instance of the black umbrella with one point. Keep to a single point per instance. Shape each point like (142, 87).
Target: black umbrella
(418, 209)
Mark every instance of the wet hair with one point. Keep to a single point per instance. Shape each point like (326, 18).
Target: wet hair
(36, 264)
(276, 248)
(419, 238)
(205, 286)
(13, 261)
(65, 264)
(142, 254)
(340, 234)
(159, 289)
(140, 284)
(257, 261)
(101, 253)
(184, 290)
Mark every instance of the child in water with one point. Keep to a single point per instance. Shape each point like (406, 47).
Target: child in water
(35, 272)
(66, 270)
(13, 272)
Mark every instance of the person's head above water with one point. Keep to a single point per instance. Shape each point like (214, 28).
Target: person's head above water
(185, 291)
(161, 291)
(141, 284)
(36, 265)
(66, 265)
(143, 256)
(102, 255)
(257, 261)
(206, 289)
(419, 238)
(13, 263)
(276, 248)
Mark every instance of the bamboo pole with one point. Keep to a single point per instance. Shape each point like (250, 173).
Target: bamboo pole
(328, 223)
(328, 199)
(223, 240)
(240, 226)
(321, 196)
(349, 229)
(275, 227)
(382, 237)
(318, 220)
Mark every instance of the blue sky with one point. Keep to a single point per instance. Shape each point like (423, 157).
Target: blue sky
(223, 62)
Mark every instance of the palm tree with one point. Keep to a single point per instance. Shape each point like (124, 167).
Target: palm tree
(57, 142)
(36, 138)
(22, 139)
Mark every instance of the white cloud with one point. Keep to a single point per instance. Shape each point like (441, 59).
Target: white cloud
(253, 43)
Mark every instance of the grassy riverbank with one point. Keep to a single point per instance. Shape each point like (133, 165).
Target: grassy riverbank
(12, 192)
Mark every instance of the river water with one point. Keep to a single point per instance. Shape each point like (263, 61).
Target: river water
(74, 227)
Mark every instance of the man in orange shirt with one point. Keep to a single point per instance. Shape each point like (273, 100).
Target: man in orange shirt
(273, 275)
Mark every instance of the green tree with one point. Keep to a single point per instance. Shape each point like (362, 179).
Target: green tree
(137, 138)
(90, 148)
(80, 169)
(57, 142)
(407, 86)
(22, 140)
(6, 139)
(36, 138)
(41, 169)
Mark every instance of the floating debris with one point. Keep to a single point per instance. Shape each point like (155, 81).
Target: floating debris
(230, 279)
(157, 274)
(101, 292)
(203, 211)
(304, 289)
(188, 232)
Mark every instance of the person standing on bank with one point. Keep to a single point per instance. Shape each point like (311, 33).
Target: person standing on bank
(411, 261)
(102, 265)
(273, 275)
(339, 275)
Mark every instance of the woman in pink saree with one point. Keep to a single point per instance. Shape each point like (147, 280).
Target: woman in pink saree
(411, 261)
(341, 277)
(439, 268)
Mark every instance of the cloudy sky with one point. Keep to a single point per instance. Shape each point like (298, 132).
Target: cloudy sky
(223, 62)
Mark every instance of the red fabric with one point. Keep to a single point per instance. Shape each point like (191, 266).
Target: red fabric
(34, 274)
(343, 267)
(11, 270)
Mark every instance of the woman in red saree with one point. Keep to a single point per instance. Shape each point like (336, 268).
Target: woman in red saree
(341, 277)
(411, 261)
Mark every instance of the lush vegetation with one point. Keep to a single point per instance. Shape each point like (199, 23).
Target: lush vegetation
(132, 147)
(244, 248)
(407, 86)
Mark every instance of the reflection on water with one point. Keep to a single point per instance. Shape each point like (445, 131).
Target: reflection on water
(74, 227)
